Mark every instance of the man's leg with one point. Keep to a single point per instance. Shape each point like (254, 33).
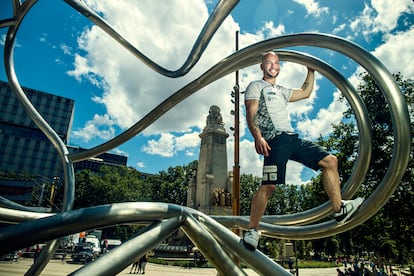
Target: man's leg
(343, 208)
(259, 203)
(274, 171)
(331, 182)
(258, 206)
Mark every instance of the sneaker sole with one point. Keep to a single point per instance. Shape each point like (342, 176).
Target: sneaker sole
(358, 202)
(248, 245)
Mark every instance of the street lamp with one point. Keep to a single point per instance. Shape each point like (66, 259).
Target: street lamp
(235, 94)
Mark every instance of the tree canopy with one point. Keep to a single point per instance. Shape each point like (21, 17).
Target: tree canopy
(389, 233)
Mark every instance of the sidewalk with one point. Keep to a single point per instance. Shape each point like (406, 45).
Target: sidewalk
(57, 268)
(160, 270)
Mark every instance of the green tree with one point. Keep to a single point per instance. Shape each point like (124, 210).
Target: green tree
(110, 185)
(390, 231)
(248, 187)
(171, 186)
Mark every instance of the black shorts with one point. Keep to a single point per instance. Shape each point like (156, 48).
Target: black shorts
(286, 147)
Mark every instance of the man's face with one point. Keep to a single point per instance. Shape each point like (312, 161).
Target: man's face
(270, 66)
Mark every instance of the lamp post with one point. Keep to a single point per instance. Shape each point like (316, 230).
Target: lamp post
(236, 167)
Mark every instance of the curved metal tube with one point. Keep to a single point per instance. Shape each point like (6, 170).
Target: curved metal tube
(14, 216)
(201, 228)
(66, 223)
(68, 171)
(171, 216)
(233, 244)
(118, 259)
(210, 248)
(220, 12)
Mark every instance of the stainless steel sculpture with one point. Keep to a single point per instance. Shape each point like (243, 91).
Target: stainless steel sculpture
(210, 234)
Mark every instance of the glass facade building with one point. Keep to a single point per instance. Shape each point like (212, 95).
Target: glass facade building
(23, 146)
(25, 150)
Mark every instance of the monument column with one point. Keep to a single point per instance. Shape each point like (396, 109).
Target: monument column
(213, 191)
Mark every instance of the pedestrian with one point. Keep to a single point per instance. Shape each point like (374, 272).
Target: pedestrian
(290, 265)
(143, 262)
(339, 272)
(274, 138)
(105, 247)
(136, 266)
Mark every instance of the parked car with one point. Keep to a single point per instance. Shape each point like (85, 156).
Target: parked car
(95, 243)
(83, 253)
(10, 257)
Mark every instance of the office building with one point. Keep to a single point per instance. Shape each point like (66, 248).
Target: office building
(23, 146)
(27, 157)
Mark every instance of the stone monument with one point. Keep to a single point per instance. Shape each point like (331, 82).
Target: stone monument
(209, 188)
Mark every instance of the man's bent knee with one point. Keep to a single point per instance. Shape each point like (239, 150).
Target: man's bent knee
(329, 162)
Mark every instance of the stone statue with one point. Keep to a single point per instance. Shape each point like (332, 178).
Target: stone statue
(214, 118)
(220, 198)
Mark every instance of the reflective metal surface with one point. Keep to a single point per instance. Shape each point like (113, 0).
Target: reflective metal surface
(210, 234)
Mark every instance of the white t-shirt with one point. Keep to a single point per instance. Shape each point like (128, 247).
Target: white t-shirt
(272, 115)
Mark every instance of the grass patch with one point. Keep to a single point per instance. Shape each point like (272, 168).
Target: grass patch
(314, 264)
(180, 263)
(191, 263)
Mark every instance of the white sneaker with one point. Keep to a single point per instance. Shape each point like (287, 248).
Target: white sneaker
(347, 209)
(251, 239)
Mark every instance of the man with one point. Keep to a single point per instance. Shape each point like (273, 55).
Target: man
(274, 138)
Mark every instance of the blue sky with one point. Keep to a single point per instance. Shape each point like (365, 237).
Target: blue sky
(59, 51)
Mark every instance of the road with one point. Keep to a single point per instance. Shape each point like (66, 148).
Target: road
(57, 268)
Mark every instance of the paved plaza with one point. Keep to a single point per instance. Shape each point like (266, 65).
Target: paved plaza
(57, 268)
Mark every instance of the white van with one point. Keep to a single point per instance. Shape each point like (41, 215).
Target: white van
(95, 243)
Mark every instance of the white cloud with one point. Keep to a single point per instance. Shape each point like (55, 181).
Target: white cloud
(269, 30)
(293, 173)
(339, 28)
(169, 145)
(397, 53)
(98, 127)
(164, 146)
(380, 17)
(140, 165)
(388, 13)
(83, 69)
(293, 75)
(67, 50)
(189, 153)
(312, 7)
(322, 125)
(188, 140)
(132, 88)
(43, 37)
(250, 161)
(119, 152)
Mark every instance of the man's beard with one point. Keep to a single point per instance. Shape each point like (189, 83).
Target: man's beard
(270, 75)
